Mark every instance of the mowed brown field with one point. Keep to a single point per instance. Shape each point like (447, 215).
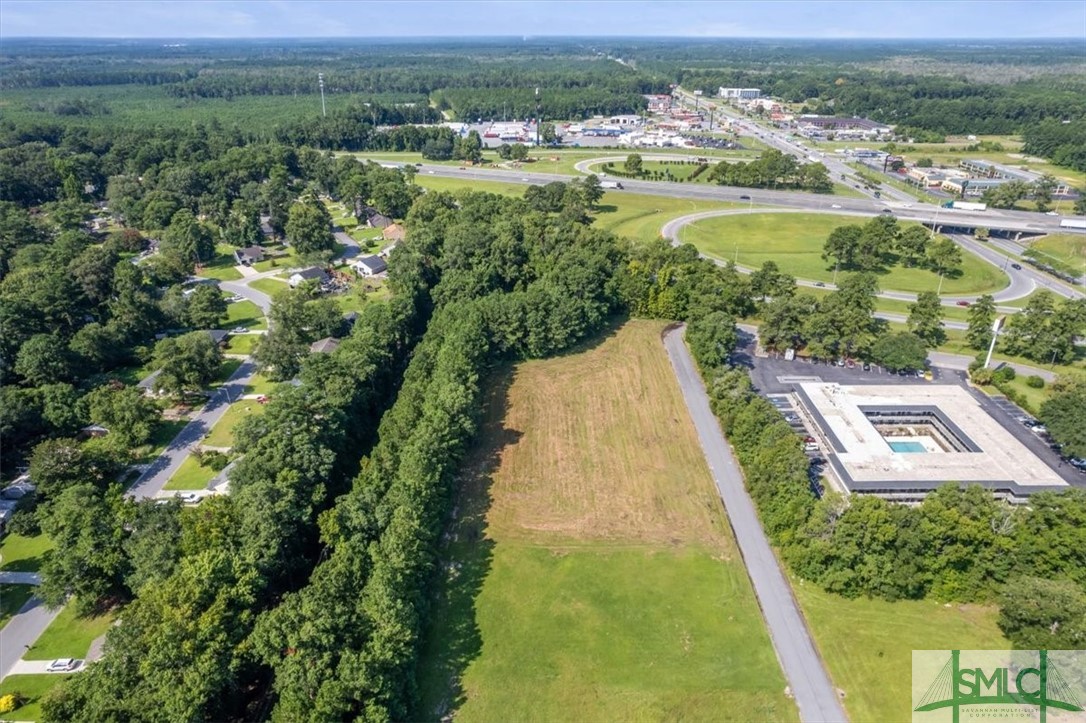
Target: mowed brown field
(590, 574)
(605, 452)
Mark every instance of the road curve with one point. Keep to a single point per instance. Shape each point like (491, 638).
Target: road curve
(807, 677)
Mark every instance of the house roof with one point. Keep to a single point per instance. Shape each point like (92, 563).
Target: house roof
(373, 264)
(250, 252)
(313, 272)
(395, 232)
(325, 345)
(218, 335)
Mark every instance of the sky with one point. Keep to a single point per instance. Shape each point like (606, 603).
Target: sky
(474, 18)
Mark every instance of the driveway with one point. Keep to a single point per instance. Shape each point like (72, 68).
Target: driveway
(808, 680)
(37, 667)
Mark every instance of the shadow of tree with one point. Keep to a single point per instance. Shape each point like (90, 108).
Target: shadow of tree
(452, 639)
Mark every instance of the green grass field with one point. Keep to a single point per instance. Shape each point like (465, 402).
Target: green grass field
(222, 434)
(592, 575)
(23, 554)
(868, 644)
(1032, 399)
(12, 599)
(794, 241)
(69, 636)
(245, 313)
(191, 475)
(31, 687)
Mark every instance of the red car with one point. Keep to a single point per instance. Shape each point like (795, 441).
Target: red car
(963, 303)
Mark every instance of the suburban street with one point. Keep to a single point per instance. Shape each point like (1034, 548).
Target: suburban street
(22, 631)
(808, 680)
(154, 478)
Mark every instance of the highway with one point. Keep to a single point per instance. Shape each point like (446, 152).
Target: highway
(1014, 221)
(807, 678)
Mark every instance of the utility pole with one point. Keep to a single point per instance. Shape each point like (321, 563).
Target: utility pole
(320, 82)
(538, 117)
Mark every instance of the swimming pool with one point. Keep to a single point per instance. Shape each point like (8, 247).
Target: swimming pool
(907, 447)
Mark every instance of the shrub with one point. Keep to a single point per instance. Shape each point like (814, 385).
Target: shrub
(982, 377)
(1005, 374)
(11, 701)
(1035, 382)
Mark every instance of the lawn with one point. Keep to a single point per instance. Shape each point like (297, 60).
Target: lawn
(23, 554)
(242, 343)
(956, 344)
(246, 313)
(191, 475)
(1031, 399)
(259, 384)
(452, 185)
(591, 574)
(269, 286)
(222, 266)
(868, 644)
(69, 636)
(226, 370)
(795, 240)
(222, 434)
(32, 687)
(163, 434)
(12, 599)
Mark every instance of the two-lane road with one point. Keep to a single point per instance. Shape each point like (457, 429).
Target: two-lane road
(807, 677)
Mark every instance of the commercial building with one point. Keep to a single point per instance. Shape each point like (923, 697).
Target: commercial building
(987, 169)
(739, 93)
(901, 441)
(818, 126)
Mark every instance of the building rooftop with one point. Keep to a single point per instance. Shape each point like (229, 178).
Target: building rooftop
(948, 435)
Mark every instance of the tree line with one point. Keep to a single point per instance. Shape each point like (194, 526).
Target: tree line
(772, 169)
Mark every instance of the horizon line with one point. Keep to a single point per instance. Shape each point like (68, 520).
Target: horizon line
(525, 38)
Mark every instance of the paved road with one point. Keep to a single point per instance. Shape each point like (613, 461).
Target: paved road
(154, 478)
(242, 289)
(21, 632)
(807, 677)
(19, 578)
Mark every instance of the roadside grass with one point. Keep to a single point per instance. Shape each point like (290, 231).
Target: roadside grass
(19, 553)
(69, 636)
(245, 313)
(1063, 251)
(12, 599)
(794, 242)
(242, 343)
(269, 286)
(956, 344)
(32, 688)
(452, 185)
(260, 384)
(867, 644)
(222, 434)
(191, 475)
(222, 266)
(590, 573)
(640, 216)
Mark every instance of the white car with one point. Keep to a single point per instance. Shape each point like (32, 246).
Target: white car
(836, 205)
(240, 330)
(235, 299)
(1051, 213)
(190, 498)
(63, 665)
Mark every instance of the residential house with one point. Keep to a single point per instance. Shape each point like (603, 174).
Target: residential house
(326, 345)
(249, 255)
(395, 232)
(218, 336)
(266, 228)
(369, 265)
(313, 272)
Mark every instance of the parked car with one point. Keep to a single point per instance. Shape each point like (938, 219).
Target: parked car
(63, 665)
(189, 498)
(867, 366)
(240, 330)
